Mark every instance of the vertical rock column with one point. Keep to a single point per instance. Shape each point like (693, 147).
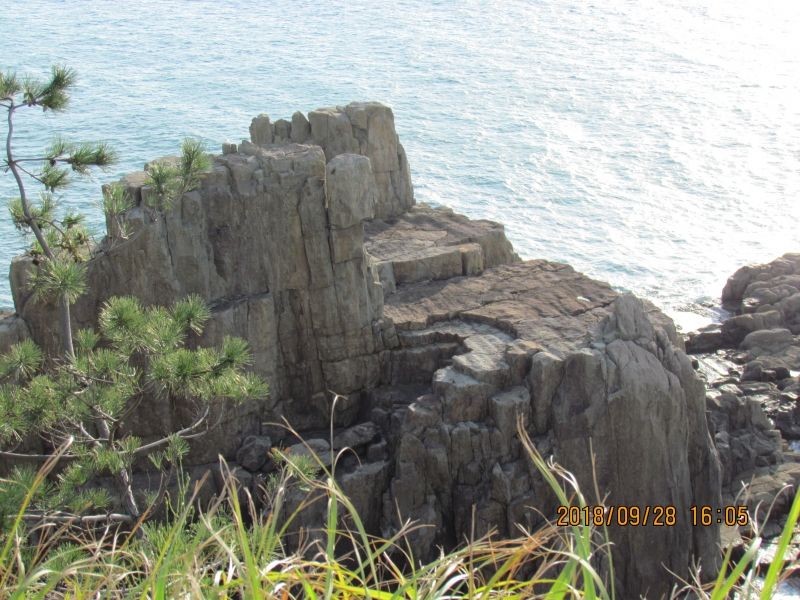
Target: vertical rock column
(347, 323)
(367, 128)
(327, 306)
(633, 401)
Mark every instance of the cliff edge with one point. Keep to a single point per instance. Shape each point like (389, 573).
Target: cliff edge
(432, 334)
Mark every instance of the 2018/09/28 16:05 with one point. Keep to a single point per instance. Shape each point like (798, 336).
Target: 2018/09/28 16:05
(653, 515)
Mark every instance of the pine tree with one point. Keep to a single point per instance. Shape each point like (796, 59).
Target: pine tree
(78, 402)
(83, 403)
(62, 243)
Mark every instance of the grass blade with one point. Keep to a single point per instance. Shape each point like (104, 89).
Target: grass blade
(775, 568)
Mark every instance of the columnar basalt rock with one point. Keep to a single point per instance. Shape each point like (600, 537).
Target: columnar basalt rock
(273, 238)
(588, 373)
(430, 333)
(365, 128)
(368, 128)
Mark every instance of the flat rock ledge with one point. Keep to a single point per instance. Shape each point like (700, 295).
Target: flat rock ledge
(437, 339)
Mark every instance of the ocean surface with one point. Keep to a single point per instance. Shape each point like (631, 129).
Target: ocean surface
(655, 145)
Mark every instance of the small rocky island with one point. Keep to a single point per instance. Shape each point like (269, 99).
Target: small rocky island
(424, 338)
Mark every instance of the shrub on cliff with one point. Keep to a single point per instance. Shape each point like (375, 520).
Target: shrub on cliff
(62, 243)
(81, 405)
(77, 403)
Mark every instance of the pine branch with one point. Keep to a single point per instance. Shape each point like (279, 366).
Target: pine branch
(186, 433)
(161, 493)
(35, 457)
(62, 517)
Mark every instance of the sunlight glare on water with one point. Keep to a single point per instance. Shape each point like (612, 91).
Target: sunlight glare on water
(655, 145)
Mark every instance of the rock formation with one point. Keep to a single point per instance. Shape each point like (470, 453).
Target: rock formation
(430, 333)
(751, 362)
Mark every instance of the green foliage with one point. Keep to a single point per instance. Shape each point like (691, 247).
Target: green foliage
(194, 160)
(53, 177)
(302, 466)
(170, 180)
(173, 453)
(79, 402)
(9, 85)
(162, 176)
(12, 423)
(82, 500)
(41, 212)
(136, 351)
(115, 203)
(82, 156)
(59, 277)
(191, 313)
(51, 95)
(87, 340)
(225, 552)
(14, 489)
(21, 362)
(59, 245)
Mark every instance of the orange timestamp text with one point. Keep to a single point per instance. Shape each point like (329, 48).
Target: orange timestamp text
(650, 515)
(731, 515)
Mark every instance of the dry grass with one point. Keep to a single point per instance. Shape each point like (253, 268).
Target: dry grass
(231, 551)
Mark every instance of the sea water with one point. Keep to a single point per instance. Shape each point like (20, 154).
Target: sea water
(655, 145)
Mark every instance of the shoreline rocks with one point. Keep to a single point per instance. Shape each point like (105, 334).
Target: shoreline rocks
(750, 363)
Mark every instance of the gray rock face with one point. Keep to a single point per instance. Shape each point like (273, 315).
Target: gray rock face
(261, 131)
(766, 301)
(769, 341)
(735, 329)
(744, 436)
(313, 447)
(426, 243)
(753, 383)
(254, 452)
(638, 381)
(13, 330)
(772, 286)
(762, 297)
(273, 270)
(351, 190)
(432, 336)
(707, 339)
(601, 372)
(300, 130)
(368, 128)
(360, 485)
(356, 437)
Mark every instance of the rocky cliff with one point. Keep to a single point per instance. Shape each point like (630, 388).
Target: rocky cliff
(431, 333)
